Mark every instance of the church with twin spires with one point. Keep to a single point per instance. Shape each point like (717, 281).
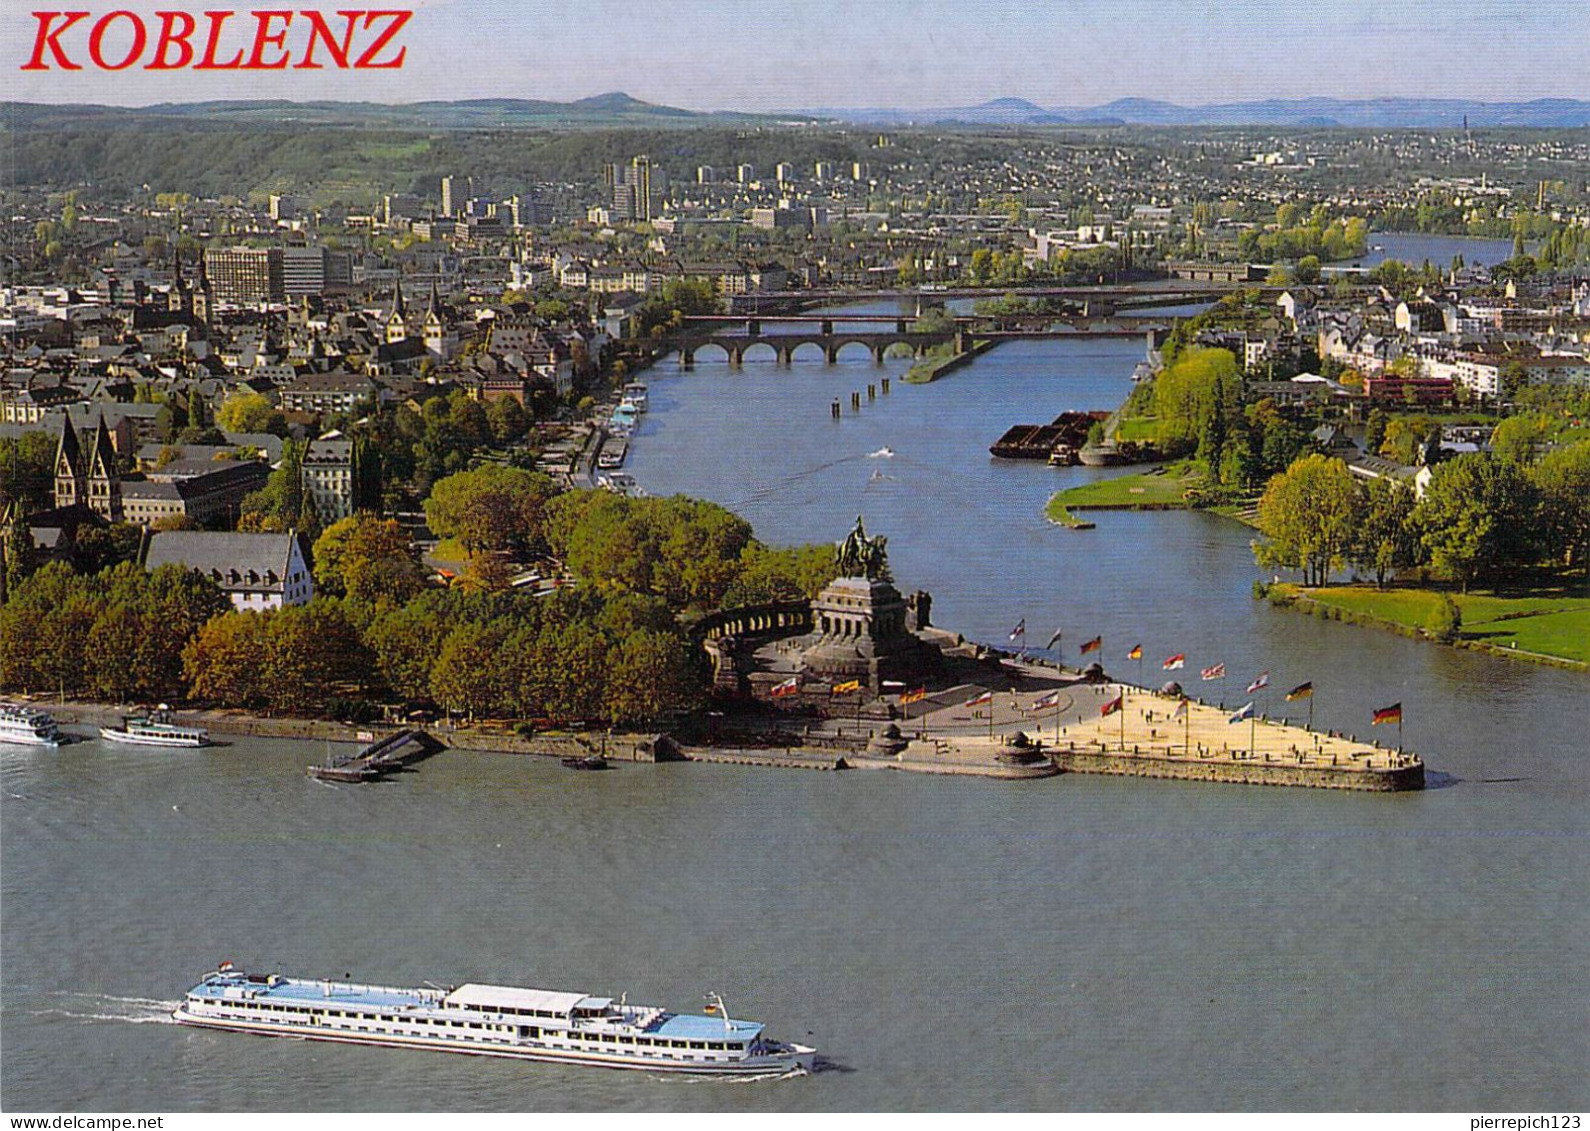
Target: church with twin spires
(91, 478)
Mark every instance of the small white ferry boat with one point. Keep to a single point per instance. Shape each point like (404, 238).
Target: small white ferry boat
(156, 728)
(636, 396)
(621, 483)
(22, 725)
(613, 453)
(487, 1020)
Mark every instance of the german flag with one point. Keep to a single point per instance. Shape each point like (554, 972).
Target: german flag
(1301, 691)
(1113, 705)
(914, 696)
(1391, 714)
(1136, 653)
(1092, 645)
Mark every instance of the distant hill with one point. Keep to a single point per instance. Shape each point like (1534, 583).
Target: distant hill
(617, 109)
(600, 111)
(1372, 113)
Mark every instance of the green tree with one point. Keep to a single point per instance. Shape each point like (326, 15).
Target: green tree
(44, 629)
(17, 556)
(1445, 622)
(250, 412)
(1562, 479)
(1513, 379)
(367, 559)
(507, 420)
(1520, 439)
(1309, 513)
(407, 640)
(312, 652)
(490, 507)
(27, 471)
(769, 574)
(100, 547)
(1375, 430)
(1386, 539)
(279, 505)
(221, 664)
(650, 674)
(578, 653)
(461, 678)
(1189, 394)
(1476, 517)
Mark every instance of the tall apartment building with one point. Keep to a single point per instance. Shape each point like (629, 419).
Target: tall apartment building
(745, 174)
(303, 271)
(637, 189)
(244, 276)
(456, 190)
(397, 205)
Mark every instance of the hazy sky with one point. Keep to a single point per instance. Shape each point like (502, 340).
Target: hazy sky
(794, 54)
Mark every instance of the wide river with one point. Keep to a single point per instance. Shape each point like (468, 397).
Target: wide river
(1079, 942)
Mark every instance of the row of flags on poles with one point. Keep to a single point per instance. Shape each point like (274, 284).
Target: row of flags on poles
(1391, 714)
(792, 686)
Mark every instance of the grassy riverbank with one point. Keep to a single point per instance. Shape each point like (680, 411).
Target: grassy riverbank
(1543, 625)
(1173, 487)
(941, 360)
(1060, 516)
(1161, 489)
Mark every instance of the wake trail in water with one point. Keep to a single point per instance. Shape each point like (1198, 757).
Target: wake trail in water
(79, 1006)
(757, 1078)
(763, 493)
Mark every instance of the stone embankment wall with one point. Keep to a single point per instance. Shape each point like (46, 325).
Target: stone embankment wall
(1247, 773)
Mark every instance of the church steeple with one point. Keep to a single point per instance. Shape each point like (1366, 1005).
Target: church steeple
(180, 300)
(203, 302)
(397, 327)
(71, 477)
(104, 481)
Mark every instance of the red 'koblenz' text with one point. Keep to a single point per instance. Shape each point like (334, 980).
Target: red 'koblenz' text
(273, 40)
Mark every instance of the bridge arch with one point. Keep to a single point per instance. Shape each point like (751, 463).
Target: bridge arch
(713, 352)
(765, 349)
(809, 348)
(874, 347)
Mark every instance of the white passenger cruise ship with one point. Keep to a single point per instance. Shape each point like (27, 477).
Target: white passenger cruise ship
(27, 726)
(155, 728)
(491, 1021)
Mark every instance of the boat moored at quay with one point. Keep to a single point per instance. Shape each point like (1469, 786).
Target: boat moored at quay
(155, 728)
(27, 726)
(487, 1020)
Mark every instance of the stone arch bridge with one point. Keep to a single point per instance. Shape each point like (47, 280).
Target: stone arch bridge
(783, 346)
(883, 332)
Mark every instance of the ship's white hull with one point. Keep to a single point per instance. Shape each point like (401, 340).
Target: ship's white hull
(15, 739)
(800, 1057)
(113, 734)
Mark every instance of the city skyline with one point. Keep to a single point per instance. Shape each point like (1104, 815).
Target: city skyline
(762, 57)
